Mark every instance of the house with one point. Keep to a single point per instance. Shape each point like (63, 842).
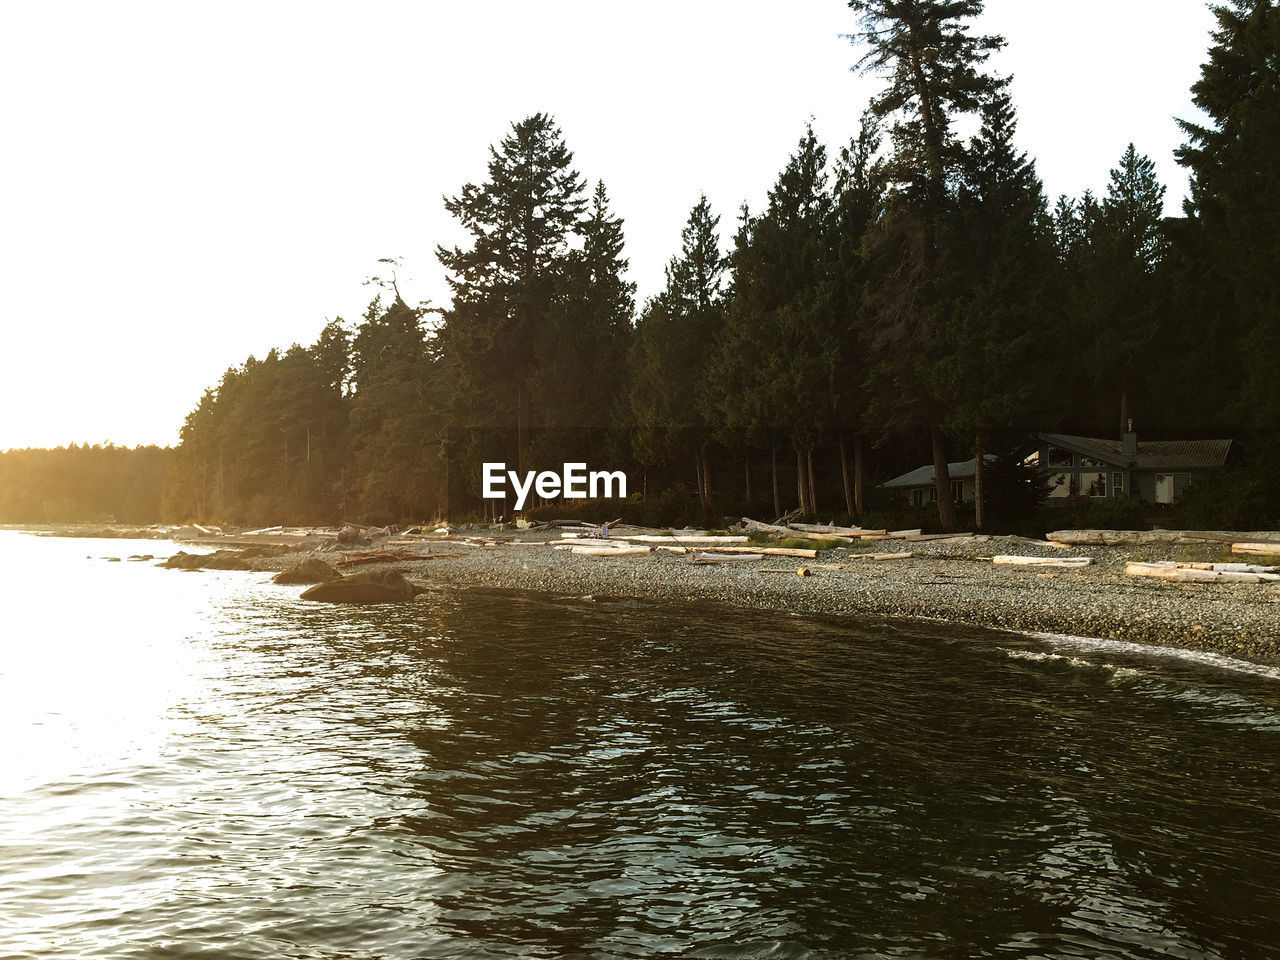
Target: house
(917, 486)
(1155, 471)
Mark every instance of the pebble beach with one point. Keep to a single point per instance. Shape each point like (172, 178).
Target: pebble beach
(947, 580)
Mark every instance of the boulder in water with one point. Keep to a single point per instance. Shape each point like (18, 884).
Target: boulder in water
(310, 570)
(387, 587)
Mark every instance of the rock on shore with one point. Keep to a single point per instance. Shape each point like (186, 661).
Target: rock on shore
(387, 586)
(310, 570)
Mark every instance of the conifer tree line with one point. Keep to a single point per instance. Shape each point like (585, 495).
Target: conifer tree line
(910, 296)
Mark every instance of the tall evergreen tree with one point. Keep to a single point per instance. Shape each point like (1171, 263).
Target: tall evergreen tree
(670, 351)
(1115, 302)
(1003, 299)
(859, 202)
(521, 221)
(398, 415)
(933, 64)
(775, 368)
(1234, 161)
(581, 349)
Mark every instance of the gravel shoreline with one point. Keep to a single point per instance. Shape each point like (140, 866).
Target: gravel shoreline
(951, 581)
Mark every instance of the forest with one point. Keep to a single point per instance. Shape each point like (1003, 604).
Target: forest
(909, 297)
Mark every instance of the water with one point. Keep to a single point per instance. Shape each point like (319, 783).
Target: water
(201, 765)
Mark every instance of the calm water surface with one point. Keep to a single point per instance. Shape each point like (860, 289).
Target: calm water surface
(201, 765)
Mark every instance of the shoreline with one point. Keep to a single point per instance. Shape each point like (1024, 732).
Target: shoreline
(947, 581)
(952, 582)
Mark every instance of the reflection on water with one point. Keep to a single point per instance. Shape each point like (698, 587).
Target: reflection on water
(200, 765)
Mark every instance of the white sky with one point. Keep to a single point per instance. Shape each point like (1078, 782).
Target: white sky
(183, 184)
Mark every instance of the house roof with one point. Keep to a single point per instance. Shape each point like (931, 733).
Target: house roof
(1152, 454)
(923, 476)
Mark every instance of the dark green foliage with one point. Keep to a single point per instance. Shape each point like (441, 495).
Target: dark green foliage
(773, 378)
(270, 442)
(1235, 188)
(923, 297)
(1001, 289)
(83, 484)
(1116, 310)
(505, 285)
(934, 73)
(674, 337)
(398, 423)
(581, 347)
(1243, 497)
(933, 65)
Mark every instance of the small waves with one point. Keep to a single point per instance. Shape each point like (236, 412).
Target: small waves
(1204, 658)
(491, 777)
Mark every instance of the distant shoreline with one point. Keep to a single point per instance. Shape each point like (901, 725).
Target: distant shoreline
(948, 581)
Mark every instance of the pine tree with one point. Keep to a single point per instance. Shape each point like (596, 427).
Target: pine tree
(934, 77)
(520, 221)
(1115, 301)
(1002, 299)
(774, 372)
(398, 415)
(1234, 162)
(669, 353)
(581, 349)
(859, 202)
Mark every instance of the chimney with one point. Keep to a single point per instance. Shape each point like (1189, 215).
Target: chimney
(1131, 443)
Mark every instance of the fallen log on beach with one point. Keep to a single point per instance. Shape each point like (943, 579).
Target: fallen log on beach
(766, 551)
(1266, 549)
(1202, 572)
(810, 528)
(802, 533)
(1063, 562)
(1128, 538)
(388, 556)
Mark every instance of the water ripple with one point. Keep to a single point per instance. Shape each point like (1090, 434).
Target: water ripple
(497, 776)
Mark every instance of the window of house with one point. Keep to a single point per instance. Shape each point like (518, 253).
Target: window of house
(1090, 462)
(1059, 457)
(1032, 460)
(1060, 485)
(957, 491)
(1093, 484)
(917, 498)
(1117, 484)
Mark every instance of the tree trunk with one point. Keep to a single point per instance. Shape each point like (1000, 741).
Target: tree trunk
(813, 488)
(858, 475)
(978, 468)
(844, 475)
(1124, 409)
(773, 461)
(803, 489)
(746, 463)
(942, 479)
(706, 477)
(801, 493)
(697, 469)
(522, 426)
